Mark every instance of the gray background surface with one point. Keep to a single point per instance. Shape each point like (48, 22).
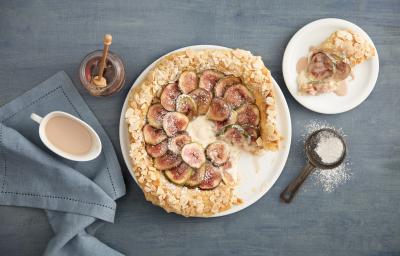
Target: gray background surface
(362, 217)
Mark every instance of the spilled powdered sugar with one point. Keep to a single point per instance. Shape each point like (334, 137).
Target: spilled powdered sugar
(330, 179)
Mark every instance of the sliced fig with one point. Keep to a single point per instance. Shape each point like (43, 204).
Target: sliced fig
(169, 96)
(174, 122)
(152, 135)
(203, 99)
(252, 132)
(212, 177)
(186, 105)
(224, 83)
(231, 120)
(157, 150)
(187, 82)
(228, 178)
(209, 78)
(227, 165)
(321, 66)
(193, 155)
(248, 114)
(235, 134)
(342, 71)
(155, 115)
(219, 110)
(197, 177)
(180, 174)
(218, 153)
(238, 94)
(175, 144)
(167, 161)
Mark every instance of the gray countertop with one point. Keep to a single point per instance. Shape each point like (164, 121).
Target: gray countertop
(361, 217)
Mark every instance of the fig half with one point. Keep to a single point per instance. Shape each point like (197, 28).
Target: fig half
(202, 98)
(212, 177)
(175, 144)
(174, 122)
(187, 82)
(248, 114)
(155, 115)
(196, 177)
(152, 135)
(157, 150)
(231, 120)
(186, 105)
(218, 153)
(238, 94)
(225, 83)
(235, 135)
(321, 66)
(167, 161)
(342, 71)
(180, 174)
(169, 95)
(209, 78)
(193, 155)
(219, 110)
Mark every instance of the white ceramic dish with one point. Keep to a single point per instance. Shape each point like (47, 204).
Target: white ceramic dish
(94, 151)
(365, 74)
(259, 173)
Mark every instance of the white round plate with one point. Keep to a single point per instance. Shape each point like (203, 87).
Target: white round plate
(365, 73)
(257, 174)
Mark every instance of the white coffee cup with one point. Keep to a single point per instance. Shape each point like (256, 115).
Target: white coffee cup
(91, 154)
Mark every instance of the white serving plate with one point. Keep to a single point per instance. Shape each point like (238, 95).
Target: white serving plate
(253, 184)
(365, 73)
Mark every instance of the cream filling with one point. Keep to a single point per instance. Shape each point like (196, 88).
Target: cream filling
(202, 131)
(307, 86)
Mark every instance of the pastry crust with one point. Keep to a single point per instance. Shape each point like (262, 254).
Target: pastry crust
(348, 44)
(157, 189)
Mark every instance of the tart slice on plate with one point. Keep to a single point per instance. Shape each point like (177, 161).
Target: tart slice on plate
(329, 65)
(188, 120)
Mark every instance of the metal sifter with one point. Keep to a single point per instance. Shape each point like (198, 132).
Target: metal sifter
(314, 161)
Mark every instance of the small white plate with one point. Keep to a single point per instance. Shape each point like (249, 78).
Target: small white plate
(365, 73)
(257, 174)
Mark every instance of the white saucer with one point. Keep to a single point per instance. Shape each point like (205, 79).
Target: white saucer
(365, 74)
(258, 173)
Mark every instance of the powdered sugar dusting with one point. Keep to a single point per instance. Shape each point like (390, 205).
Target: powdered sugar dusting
(331, 179)
(207, 176)
(329, 147)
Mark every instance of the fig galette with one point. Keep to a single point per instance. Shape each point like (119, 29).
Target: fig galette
(189, 119)
(328, 65)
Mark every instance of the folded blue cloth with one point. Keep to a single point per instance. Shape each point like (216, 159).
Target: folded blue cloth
(77, 196)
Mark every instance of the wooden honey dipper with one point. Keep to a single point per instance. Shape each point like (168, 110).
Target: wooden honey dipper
(99, 80)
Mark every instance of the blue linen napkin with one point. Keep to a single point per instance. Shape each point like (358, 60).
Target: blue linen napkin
(77, 196)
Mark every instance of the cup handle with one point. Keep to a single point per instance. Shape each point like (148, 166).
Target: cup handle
(36, 118)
